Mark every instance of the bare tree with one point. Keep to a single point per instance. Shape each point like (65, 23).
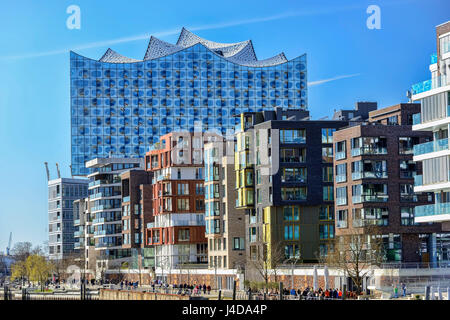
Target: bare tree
(267, 264)
(355, 253)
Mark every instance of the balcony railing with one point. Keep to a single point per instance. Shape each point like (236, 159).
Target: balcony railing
(430, 84)
(432, 209)
(341, 223)
(76, 222)
(418, 180)
(296, 178)
(368, 150)
(341, 178)
(370, 198)
(293, 159)
(340, 155)
(126, 199)
(358, 223)
(369, 174)
(432, 146)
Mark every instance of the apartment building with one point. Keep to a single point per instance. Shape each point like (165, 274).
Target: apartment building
(136, 214)
(178, 230)
(360, 112)
(434, 117)
(284, 183)
(225, 225)
(101, 213)
(61, 194)
(374, 182)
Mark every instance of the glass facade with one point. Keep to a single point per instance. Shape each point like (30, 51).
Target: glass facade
(121, 108)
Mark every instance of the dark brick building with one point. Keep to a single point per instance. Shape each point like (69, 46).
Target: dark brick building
(374, 182)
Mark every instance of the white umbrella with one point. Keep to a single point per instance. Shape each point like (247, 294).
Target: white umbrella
(326, 275)
(315, 284)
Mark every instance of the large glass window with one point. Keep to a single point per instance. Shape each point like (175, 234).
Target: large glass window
(341, 172)
(328, 194)
(294, 175)
(327, 135)
(341, 196)
(370, 216)
(407, 216)
(292, 155)
(293, 136)
(327, 154)
(291, 213)
(293, 193)
(340, 150)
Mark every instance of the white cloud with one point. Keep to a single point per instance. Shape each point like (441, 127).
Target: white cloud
(318, 82)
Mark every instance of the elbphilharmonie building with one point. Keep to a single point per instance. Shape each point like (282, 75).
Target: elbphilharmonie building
(120, 106)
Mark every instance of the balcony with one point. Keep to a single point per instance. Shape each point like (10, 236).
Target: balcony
(428, 85)
(340, 155)
(103, 181)
(370, 198)
(432, 146)
(432, 210)
(369, 175)
(294, 178)
(293, 159)
(76, 222)
(341, 224)
(341, 178)
(368, 150)
(359, 223)
(126, 199)
(99, 220)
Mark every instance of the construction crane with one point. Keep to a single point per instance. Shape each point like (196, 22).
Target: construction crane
(9, 244)
(57, 170)
(48, 172)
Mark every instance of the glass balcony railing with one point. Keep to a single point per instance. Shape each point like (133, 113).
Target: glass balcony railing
(341, 177)
(368, 150)
(370, 198)
(432, 209)
(341, 223)
(432, 146)
(76, 222)
(99, 220)
(340, 155)
(126, 199)
(416, 118)
(369, 174)
(428, 85)
(418, 180)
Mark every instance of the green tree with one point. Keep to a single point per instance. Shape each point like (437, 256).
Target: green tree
(38, 269)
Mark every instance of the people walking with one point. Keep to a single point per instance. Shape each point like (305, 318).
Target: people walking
(395, 291)
(404, 289)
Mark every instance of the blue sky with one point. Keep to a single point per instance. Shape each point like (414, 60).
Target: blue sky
(367, 65)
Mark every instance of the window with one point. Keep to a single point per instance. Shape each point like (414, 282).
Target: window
(291, 232)
(407, 216)
(327, 173)
(327, 154)
(326, 213)
(341, 196)
(294, 175)
(327, 135)
(258, 196)
(392, 120)
(407, 193)
(199, 205)
(293, 193)
(407, 169)
(406, 144)
(328, 193)
(341, 172)
(292, 251)
(340, 150)
(199, 189)
(326, 231)
(292, 155)
(293, 136)
(183, 188)
(183, 235)
(183, 204)
(370, 216)
(342, 216)
(291, 213)
(258, 176)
